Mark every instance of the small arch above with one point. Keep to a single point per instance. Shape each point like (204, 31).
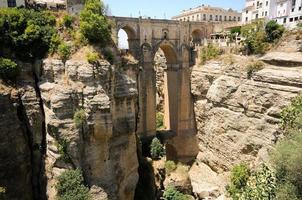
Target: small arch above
(197, 36)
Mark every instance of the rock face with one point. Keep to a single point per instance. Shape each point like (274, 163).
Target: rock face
(104, 145)
(21, 135)
(160, 67)
(237, 118)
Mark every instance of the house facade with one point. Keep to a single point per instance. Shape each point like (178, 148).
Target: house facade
(11, 3)
(206, 13)
(285, 12)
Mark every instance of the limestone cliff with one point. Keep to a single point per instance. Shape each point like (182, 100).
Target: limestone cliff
(104, 147)
(37, 126)
(238, 116)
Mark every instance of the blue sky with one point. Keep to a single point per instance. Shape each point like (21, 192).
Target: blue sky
(164, 8)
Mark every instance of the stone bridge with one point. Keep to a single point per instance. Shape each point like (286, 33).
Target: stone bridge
(177, 40)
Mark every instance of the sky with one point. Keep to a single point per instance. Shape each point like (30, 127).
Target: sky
(161, 9)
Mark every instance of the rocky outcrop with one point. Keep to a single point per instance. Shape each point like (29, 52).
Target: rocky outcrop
(238, 118)
(104, 145)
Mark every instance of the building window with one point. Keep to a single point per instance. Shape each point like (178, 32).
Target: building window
(265, 13)
(266, 3)
(230, 18)
(257, 16)
(216, 18)
(204, 17)
(296, 18)
(239, 19)
(293, 9)
(262, 14)
(234, 19)
(211, 17)
(246, 19)
(291, 19)
(300, 17)
(225, 18)
(220, 18)
(300, 8)
(246, 11)
(11, 3)
(284, 20)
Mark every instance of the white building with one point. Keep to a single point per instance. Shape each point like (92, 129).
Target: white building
(285, 12)
(208, 13)
(11, 3)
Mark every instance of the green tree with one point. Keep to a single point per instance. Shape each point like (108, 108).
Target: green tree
(25, 32)
(156, 149)
(273, 31)
(79, 117)
(93, 24)
(8, 69)
(71, 186)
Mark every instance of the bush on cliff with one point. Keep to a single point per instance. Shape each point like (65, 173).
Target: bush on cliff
(209, 52)
(64, 51)
(8, 69)
(252, 185)
(25, 33)
(171, 193)
(71, 186)
(156, 149)
(79, 117)
(93, 24)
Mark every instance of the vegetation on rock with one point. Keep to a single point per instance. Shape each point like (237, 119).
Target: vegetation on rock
(170, 166)
(171, 193)
(156, 149)
(8, 69)
(79, 117)
(71, 186)
(209, 52)
(159, 120)
(68, 21)
(253, 67)
(252, 185)
(274, 31)
(62, 146)
(93, 24)
(64, 51)
(92, 57)
(291, 116)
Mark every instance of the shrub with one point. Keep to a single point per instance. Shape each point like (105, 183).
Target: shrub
(291, 115)
(54, 43)
(274, 31)
(62, 146)
(287, 159)
(171, 193)
(209, 52)
(27, 33)
(64, 51)
(156, 149)
(68, 20)
(247, 184)
(92, 58)
(255, 37)
(286, 191)
(8, 69)
(79, 117)
(253, 67)
(239, 177)
(170, 166)
(159, 120)
(299, 25)
(71, 186)
(93, 24)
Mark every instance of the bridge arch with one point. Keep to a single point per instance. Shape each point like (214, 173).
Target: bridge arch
(132, 37)
(169, 50)
(197, 36)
